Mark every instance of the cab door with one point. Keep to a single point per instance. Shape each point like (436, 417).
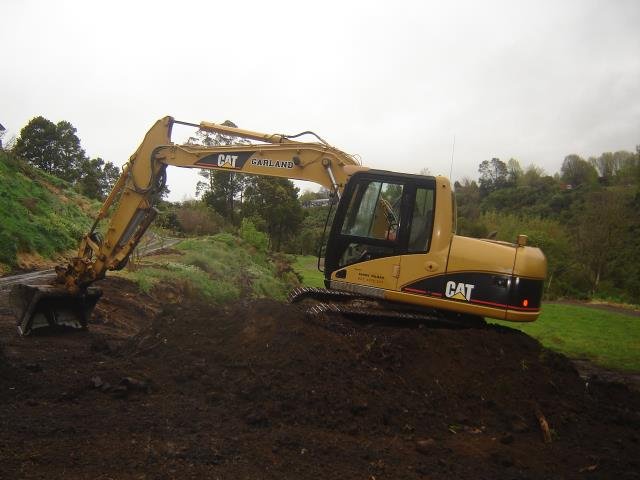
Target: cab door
(424, 263)
(366, 235)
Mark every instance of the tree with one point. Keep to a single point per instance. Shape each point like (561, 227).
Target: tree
(599, 229)
(309, 195)
(468, 199)
(274, 200)
(97, 178)
(614, 164)
(311, 233)
(220, 189)
(577, 171)
(533, 175)
(72, 155)
(493, 175)
(514, 172)
(54, 148)
(468, 203)
(110, 175)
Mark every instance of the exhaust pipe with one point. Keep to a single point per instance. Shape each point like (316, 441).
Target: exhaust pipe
(52, 308)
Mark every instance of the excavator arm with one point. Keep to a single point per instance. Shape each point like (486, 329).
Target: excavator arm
(144, 177)
(133, 197)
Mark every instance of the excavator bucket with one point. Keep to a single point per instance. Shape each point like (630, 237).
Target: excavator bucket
(52, 308)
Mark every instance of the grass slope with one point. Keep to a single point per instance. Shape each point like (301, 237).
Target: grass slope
(39, 213)
(219, 269)
(307, 268)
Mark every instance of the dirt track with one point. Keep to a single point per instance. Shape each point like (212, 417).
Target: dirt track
(259, 390)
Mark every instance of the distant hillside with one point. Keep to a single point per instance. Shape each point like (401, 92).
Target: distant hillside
(40, 215)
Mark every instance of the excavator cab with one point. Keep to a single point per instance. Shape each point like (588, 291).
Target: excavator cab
(381, 214)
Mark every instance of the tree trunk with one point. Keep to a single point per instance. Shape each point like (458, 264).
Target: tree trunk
(597, 281)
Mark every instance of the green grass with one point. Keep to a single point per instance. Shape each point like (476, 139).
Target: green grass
(219, 269)
(35, 218)
(611, 340)
(307, 267)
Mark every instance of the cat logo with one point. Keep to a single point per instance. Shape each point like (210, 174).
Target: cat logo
(459, 291)
(227, 161)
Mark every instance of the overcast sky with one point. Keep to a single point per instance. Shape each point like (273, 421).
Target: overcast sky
(392, 81)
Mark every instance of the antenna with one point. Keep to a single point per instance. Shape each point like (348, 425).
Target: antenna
(453, 151)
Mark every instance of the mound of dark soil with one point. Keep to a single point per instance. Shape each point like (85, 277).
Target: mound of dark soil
(260, 390)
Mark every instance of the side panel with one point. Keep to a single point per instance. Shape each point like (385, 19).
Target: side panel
(423, 273)
(444, 304)
(504, 297)
(378, 273)
(473, 254)
(488, 278)
(477, 293)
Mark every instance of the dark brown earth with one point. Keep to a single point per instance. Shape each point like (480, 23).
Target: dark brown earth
(260, 390)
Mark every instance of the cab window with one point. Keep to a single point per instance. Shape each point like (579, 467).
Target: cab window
(421, 221)
(374, 211)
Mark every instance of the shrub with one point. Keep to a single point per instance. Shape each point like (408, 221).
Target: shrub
(250, 234)
(195, 218)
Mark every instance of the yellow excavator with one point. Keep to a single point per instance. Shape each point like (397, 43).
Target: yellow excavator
(392, 250)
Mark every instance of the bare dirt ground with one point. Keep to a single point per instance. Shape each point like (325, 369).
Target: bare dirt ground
(260, 390)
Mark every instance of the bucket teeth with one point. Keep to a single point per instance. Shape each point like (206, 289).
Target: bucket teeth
(51, 307)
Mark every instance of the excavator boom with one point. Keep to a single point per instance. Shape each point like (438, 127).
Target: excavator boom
(69, 301)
